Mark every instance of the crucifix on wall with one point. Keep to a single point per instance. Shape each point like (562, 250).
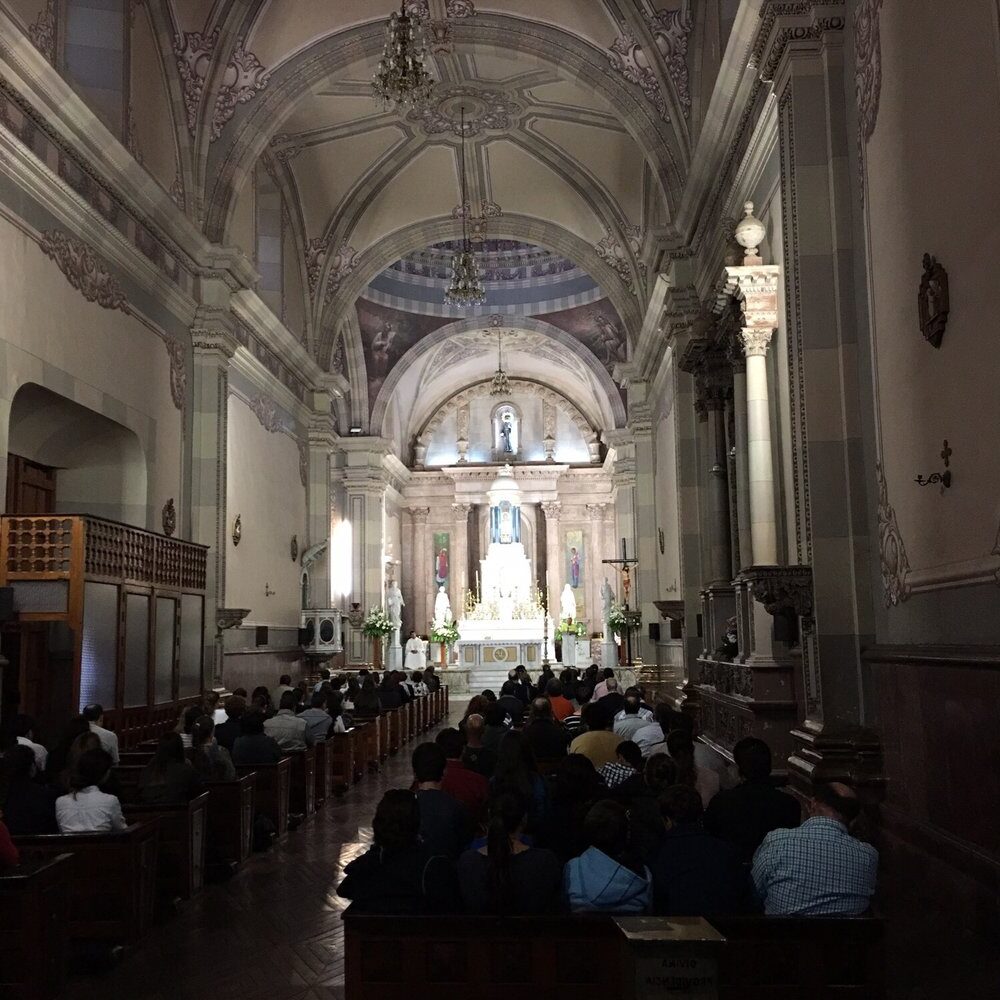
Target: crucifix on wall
(624, 566)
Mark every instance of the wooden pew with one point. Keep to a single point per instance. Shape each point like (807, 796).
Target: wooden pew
(180, 868)
(272, 792)
(34, 906)
(395, 718)
(324, 770)
(372, 726)
(341, 755)
(784, 958)
(361, 738)
(112, 879)
(230, 819)
(302, 786)
(383, 737)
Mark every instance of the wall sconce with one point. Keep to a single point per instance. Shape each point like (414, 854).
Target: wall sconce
(944, 478)
(267, 590)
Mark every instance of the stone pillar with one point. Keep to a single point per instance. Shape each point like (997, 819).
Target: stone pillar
(742, 458)
(553, 556)
(596, 570)
(720, 558)
(316, 461)
(214, 346)
(460, 551)
(420, 572)
(760, 460)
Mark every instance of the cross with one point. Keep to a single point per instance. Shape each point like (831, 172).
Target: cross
(626, 563)
(946, 454)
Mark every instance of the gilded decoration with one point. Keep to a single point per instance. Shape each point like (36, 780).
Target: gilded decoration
(84, 270)
(891, 551)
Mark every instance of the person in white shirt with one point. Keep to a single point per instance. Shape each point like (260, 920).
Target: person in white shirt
(324, 676)
(284, 684)
(628, 721)
(24, 727)
(94, 714)
(87, 809)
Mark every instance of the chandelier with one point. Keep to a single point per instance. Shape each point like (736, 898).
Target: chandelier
(500, 386)
(401, 77)
(466, 288)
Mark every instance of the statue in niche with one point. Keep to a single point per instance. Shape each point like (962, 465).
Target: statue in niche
(933, 301)
(506, 432)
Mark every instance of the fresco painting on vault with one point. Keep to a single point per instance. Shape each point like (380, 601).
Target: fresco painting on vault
(597, 326)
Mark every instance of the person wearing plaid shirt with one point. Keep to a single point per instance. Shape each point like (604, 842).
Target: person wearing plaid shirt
(628, 765)
(818, 869)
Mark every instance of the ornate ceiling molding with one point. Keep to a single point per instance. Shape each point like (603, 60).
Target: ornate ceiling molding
(84, 269)
(42, 31)
(487, 109)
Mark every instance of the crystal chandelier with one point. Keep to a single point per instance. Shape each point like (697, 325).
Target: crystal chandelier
(500, 386)
(466, 288)
(402, 77)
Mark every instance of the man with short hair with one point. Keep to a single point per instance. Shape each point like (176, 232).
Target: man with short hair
(818, 869)
(545, 736)
(475, 755)
(287, 729)
(612, 699)
(253, 746)
(511, 703)
(94, 714)
(645, 712)
(284, 684)
(324, 676)
(629, 722)
(599, 744)
(444, 825)
(24, 734)
(627, 765)
(562, 707)
(460, 782)
(229, 731)
(316, 717)
(601, 687)
(573, 724)
(744, 815)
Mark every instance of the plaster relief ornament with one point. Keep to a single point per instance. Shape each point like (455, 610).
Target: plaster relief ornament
(342, 264)
(177, 353)
(238, 529)
(486, 110)
(169, 518)
(84, 270)
(933, 302)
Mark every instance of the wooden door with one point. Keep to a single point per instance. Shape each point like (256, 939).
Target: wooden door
(31, 488)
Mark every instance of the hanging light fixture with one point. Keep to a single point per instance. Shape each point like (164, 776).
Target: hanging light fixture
(466, 288)
(402, 77)
(500, 386)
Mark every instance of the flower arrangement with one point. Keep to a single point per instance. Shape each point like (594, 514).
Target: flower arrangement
(619, 619)
(567, 628)
(445, 633)
(377, 624)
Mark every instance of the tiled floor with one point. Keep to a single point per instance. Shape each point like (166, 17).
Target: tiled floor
(274, 930)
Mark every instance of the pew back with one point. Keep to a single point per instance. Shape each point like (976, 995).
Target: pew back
(230, 819)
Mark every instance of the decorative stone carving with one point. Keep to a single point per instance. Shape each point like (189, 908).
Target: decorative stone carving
(265, 410)
(867, 67)
(168, 518)
(42, 31)
(891, 550)
(458, 9)
(177, 353)
(230, 617)
(438, 35)
(756, 341)
(486, 110)
(933, 302)
(316, 251)
(84, 270)
(782, 588)
(244, 78)
(303, 463)
(420, 10)
(177, 191)
(193, 51)
(614, 251)
(337, 362)
(342, 264)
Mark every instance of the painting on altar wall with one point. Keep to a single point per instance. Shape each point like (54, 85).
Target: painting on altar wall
(442, 558)
(575, 569)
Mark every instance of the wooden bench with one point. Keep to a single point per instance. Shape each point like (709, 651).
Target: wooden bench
(230, 819)
(180, 867)
(34, 906)
(272, 792)
(361, 743)
(324, 770)
(112, 879)
(395, 719)
(302, 782)
(340, 752)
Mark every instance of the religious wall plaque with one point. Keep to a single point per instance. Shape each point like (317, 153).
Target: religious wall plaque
(933, 301)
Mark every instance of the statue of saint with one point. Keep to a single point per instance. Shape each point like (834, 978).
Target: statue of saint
(567, 604)
(394, 604)
(506, 429)
(442, 607)
(607, 601)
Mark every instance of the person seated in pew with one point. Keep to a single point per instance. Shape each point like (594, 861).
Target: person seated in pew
(261, 700)
(399, 875)
(694, 873)
(335, 709)
(628, 722)
(562, 707)
(94, 714)
(319, 723)
(86, 809)
(9, 855)
(418, 685)
(168, 779)
(573, 724)
(210, 761)
(285, 684)
(545, 736)
(471, 789)
(57, 768)
(227, 733)
(389, 694)
(288, 730)
(254, 746)
(642, 799)
(609, 877)
(84, 742)
(475, 756)
(324, 677)
(680, 748)
(612, 700)
(23, 728)
(431, 679)
(573, 788)
(507, 876)
(210, 703)
(818, 869)
(445, 826)
(598, 743)
(645, 711)
(744, 815)
(189, 717)
(496, 726)
(28, 807)
(627, 766)
(511, 704)
(366, 703)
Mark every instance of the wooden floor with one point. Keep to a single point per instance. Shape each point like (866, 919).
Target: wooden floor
(274, 930)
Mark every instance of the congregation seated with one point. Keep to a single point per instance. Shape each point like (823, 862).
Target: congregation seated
(744, 815)
(642, 798)
(285, 684)
(511, 703)
(210, 761)
(573, 788)
(495, 726)
(612, 699)
(86, 809)
(600, 680)
(506, 875)
(445, 826)
(227, 732)
(562, 707)
(610, 876)
(189, 717)
(462, 783)
(399, 874)
(475, 756)
(367, 704)
(28, 807)
(628, 722)
(516, 771)
(260, 699)
(58, 765)
(544, 734)
(680, 747)
(288, 730)
(253, 746)
(168, 779)
(599, 742)
(317, 719)
(694, 873)
(818, 868)
(9, 855)
(626, 767)
(94, 715)
(573, 724)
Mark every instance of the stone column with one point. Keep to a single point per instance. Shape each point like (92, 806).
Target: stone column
(420, 571)
(596, 570)
(214, 346)
(316, 461)
(742, 457)
(553, 556)
(717, 464)
(460, 550)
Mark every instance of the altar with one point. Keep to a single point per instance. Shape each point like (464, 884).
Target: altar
(498, 653)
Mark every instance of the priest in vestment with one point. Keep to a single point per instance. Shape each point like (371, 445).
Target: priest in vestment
(415, 658)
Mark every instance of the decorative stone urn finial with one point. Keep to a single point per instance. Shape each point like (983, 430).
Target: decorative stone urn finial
(750, 232)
